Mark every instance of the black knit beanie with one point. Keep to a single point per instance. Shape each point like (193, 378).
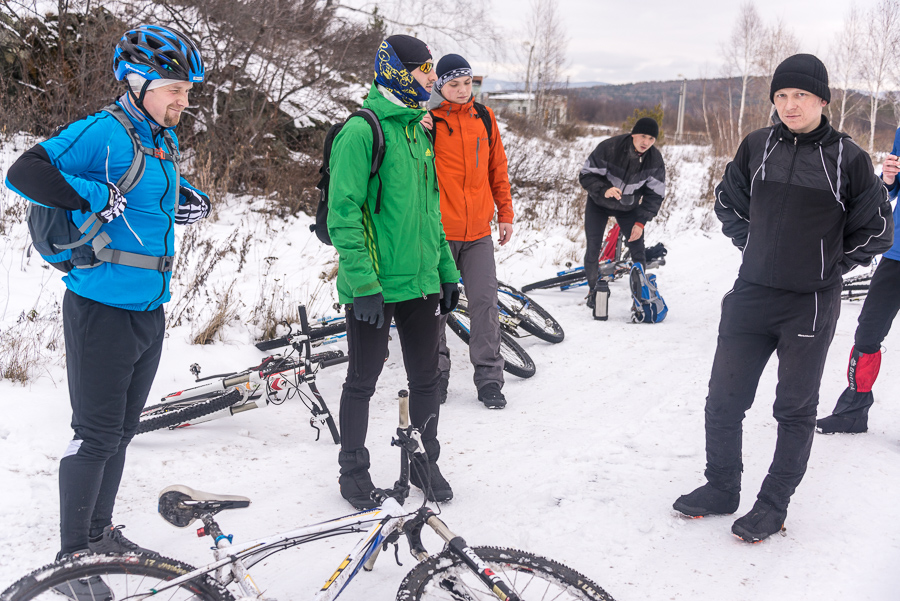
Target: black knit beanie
(450, 67)
(804, 72)
(647, 126)
(412, 52)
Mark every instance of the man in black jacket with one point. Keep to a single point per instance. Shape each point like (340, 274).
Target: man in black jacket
(803, 204)
(625, 178)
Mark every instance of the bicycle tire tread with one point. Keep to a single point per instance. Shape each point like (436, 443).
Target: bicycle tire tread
(181, 415)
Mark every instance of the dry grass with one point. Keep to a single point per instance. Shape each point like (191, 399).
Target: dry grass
(29, 344)
(226, 310)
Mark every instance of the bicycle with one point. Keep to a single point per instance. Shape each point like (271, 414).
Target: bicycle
(857, 287)
(459, 572)
(516, 360)
(276, 379)
(615, 262)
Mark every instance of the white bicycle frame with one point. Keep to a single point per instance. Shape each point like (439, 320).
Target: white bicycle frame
(230, 556)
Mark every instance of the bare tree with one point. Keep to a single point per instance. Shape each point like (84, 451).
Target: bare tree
(742, 51)
(456, 25)
(845, 56)
(778, 42)
(546, 43)
(882, 34)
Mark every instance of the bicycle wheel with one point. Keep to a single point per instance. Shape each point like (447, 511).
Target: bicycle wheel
(174, 413)
(560, 280)
(531, 577)
(113, 577)
(515, 360)
(534, 319)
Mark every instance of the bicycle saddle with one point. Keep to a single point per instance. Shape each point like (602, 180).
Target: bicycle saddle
(180, 505)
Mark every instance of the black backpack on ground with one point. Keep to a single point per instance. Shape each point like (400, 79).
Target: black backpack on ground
(320, 227)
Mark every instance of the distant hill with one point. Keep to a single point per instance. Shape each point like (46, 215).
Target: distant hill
(613, 104)
(499, 85)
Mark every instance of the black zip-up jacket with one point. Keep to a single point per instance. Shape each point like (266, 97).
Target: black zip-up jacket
(641, 178)
(803, 208)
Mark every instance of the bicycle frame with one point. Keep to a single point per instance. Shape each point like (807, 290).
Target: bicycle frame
(233, 560)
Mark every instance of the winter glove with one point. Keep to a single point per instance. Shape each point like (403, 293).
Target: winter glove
(115, 206)
(370, 309)
(195, 208)
(449, 297)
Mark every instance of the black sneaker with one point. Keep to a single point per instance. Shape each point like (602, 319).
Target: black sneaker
(355, 481)
(707, 500)
(490, 395)
(90, 588)
(762, 522)
(112, 541)
(842, 424)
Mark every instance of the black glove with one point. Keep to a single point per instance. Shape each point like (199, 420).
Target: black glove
(115, 206)
(194, 209)
(370, 309)
(449, 297)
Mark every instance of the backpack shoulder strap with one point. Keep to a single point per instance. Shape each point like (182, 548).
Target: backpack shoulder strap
(485, 117)
(133, 174)
(378, 146)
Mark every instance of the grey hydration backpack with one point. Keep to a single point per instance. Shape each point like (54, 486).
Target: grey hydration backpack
(65, 246)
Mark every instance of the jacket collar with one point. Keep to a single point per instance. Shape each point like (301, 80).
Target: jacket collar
(821, 135)
(384, 108)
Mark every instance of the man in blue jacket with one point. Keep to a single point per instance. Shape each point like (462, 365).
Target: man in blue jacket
(851, 414)
(112, 310)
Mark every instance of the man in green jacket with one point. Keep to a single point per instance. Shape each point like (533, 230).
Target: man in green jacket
(394, 262)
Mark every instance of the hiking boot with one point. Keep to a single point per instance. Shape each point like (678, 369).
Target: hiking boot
(355, 481)
(90, 588)
(426, 475)
(763, 521)
(589, 300)
(707, 500)
(490, 395)
(443, 384)
(843, 424)
(112, 541)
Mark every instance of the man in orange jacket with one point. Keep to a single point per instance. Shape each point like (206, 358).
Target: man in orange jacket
(471, 167)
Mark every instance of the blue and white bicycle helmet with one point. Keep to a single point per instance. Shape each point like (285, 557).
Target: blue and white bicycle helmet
(156, 52)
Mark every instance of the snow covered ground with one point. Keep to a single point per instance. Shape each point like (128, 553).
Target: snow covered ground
(582, 466)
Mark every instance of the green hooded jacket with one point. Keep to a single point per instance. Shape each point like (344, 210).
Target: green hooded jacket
(397, 248)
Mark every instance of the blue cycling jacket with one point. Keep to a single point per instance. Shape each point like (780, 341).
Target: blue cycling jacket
(70, 171)
(894, 252)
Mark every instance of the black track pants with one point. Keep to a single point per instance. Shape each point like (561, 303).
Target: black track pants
(880, 307)
(111, 360)
(595, 220)
(418, 329)
(757, 321)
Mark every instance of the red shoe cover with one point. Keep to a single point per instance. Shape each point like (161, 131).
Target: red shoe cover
(863, 370)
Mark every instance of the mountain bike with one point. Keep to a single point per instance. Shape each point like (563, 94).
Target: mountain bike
(515, 360)
(459, 572)
(276, 379)
(857, 287)
(615, 262)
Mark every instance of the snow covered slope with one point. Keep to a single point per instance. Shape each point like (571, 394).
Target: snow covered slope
(582, 466)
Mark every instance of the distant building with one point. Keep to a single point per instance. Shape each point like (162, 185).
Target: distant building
(522, 103)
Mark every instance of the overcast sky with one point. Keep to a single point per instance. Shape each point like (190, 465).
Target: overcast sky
(620, 41)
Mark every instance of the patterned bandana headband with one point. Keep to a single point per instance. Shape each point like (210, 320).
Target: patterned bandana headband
(390, 73)
(461, 72)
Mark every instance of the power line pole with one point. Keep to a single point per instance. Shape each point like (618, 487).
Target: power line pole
(679, 128)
